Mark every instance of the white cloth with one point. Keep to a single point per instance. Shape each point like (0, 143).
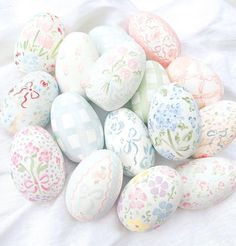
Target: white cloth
(207, 30)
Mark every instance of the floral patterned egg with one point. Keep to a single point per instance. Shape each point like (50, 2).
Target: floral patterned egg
(154, 76)
(116, 76)
(76, 126)
(158, 39)
(94, 186)
(76, 56)
(29, 102)
(150, 198)
(37, 165)
(37, 46)
(218, 128)
(206, 181)
(108, 37)
(174, 122)
(127, 136)
(198, 79)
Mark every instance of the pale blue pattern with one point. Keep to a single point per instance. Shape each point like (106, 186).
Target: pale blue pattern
(163, 211)
(31, 62)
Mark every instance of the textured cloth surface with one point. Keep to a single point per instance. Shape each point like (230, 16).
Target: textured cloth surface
(207, 30)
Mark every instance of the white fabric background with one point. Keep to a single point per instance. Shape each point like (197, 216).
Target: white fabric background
(207, 30)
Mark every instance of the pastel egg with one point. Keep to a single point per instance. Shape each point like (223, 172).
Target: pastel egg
(127, 136)
(174, 122)
(154, 76)
(150, 198)
(37, 46)
(76, 126)
(116, 76)
(76, 56)
(94, 186)
(157, 38)
(108, 37)
(29, 102)
(198, 79)
(206, 181)
(37, 165)
(218, 128)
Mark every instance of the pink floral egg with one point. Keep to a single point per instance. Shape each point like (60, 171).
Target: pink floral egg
(157, 38)
(206, 182)
(150, 198)
(38, 43)
(37, 164)
(198, 79)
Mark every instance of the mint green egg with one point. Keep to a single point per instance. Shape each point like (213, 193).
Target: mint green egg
(155, 76)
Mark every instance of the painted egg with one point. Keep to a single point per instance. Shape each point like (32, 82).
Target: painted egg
(108, 37)
(154, 76)
(76, 56)
(37, 46)
(29, 102)
(157, 38)
(116, 76)
(206, 181)
(94, 185)
(197, 78)
(76, 126)
(174, 122)
(150, 198)
(218, 128)
(37, 165)
(127, 136)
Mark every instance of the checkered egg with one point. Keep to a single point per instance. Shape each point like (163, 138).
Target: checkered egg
(76, 126)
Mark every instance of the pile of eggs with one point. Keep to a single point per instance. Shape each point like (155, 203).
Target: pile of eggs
(158, 101)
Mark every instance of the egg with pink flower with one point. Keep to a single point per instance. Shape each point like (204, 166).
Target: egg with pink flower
(37, 164)
(38, 43)
(150, 198)
(116, 76)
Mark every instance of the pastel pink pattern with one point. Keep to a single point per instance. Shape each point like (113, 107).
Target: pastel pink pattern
(137, 198)
(157, 38)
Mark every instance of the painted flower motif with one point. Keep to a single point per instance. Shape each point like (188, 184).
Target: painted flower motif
(45, 41)
(116, 126)
(158, 186)
(31, 148)
(45, 156)
(31, 62)
(137, 199)
(125, 74)
(168, 116)
(137, 225)
(16, 158)
(163, 211)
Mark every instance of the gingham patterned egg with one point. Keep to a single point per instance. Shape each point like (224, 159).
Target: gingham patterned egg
(38, 43)
(206, 181)
(37, 164)
(94, 185)
(76, 126)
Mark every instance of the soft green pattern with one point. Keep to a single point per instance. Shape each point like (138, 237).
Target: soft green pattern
(155, 76)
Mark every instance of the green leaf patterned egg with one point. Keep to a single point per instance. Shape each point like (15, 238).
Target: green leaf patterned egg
(150, 198)
(174, 122)
(38, 43)
(154, 76)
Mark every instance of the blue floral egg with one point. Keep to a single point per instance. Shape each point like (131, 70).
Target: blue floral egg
(150, 198)
(174, 122)
(127, 136)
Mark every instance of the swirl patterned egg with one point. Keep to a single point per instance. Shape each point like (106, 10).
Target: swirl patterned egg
(29, 102)
(174, 122)
(76, 56)
(37, 46)
(206, 181)
(76, 126)
(218, 128)
(116, 76)
(37, 165)
(127, 136)
(157, 38)
(154, 76)
(108, 37)
(197, 78)
(150, 198)
(94, 186)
